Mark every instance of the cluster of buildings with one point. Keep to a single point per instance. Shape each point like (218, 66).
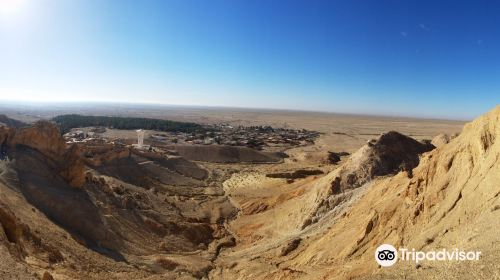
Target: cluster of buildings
(255, 137)
(78, 136)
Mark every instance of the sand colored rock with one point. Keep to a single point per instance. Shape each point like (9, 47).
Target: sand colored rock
(440, 140)
(45, 138)
(290, 246)
(390, 153)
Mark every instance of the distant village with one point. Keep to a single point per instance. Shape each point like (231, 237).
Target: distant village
(256, 137)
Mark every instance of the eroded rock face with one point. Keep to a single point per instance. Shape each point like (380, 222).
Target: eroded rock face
(74, 167)
(390, 153)
(50, 193)
(21, 241)
(4, 134)
(289, 247)
(45, 138)
(440, 140)
(335, 157)
(298, 174)
(50, 177)
(98, 155)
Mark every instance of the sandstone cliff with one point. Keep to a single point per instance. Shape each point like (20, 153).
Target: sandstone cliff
(45, 138)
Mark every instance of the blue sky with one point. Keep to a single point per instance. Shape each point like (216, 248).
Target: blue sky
(411, 58)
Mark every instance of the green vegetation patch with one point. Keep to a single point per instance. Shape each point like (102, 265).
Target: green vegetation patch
(67, 122)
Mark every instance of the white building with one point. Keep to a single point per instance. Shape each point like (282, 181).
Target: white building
(140, 138)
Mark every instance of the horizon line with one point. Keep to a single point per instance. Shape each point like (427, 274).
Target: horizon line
(161, 104)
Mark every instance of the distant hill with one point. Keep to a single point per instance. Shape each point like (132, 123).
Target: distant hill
(67, 122)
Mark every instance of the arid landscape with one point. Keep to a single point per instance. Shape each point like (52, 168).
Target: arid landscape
(103, 207)
(249, 140)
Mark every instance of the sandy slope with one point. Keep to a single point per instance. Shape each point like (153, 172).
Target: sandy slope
(451, 201)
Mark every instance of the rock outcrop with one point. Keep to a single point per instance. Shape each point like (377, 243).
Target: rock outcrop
(289, 247)
(334, 157)
(440, 140)
(21, 241)
(297, 174)
(390, 153)
(4, 134)
(45, 138)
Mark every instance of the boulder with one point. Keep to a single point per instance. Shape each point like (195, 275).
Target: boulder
(290, 246)
(440, 140)
(334, 157)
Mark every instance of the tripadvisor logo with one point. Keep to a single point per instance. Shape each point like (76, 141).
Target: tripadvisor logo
(386, 255)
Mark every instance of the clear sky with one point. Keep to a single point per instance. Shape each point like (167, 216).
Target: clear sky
(412, 58)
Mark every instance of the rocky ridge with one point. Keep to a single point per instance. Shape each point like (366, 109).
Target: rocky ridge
(104, 217)
(447, 197)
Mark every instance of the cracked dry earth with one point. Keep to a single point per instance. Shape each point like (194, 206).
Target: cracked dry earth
(107, 212)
